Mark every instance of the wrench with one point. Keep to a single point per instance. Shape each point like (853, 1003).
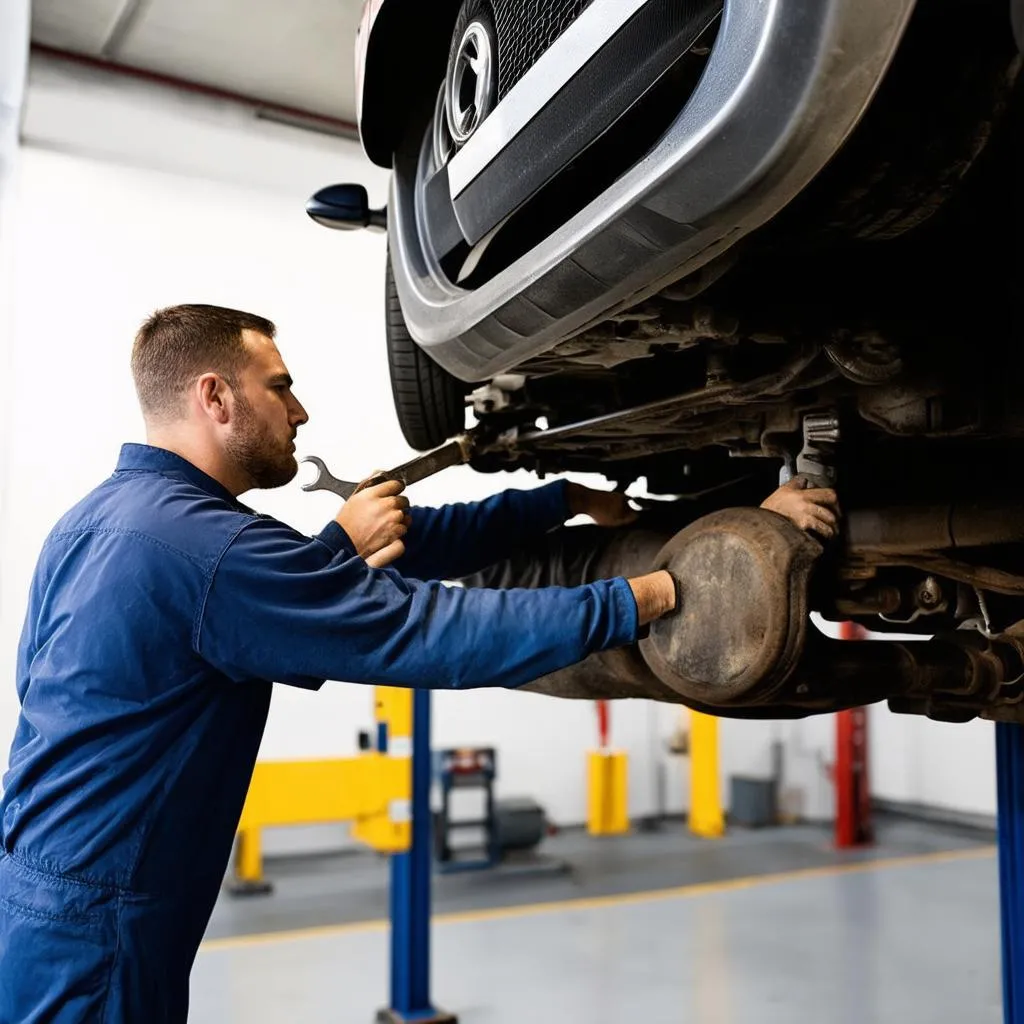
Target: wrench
(455, 453)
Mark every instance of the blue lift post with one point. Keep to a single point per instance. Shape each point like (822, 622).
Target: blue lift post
(1010, 783)
(410, 893)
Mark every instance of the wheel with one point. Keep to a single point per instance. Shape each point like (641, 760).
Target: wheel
(471, 82)
(429, 401)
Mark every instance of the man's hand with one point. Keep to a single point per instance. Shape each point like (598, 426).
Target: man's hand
(376, 519)
(655, 595)
(815, 509)
(606, 508)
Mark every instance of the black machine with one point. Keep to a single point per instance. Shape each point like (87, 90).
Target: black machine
(511, 825)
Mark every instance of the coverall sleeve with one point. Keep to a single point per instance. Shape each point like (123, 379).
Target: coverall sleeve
(291, 609)
(455, 540)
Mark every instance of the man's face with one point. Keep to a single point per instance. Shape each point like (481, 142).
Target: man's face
(266, 416)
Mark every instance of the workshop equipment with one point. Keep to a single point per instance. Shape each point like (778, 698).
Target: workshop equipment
(850, 775)
(706, 819)
(510, 825)
(465, 768)
(607, 782)
(455, 453)
(754, 802)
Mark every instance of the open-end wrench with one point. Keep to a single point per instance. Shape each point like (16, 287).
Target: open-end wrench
(455, 453)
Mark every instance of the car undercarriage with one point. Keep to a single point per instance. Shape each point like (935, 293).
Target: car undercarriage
(870, 334)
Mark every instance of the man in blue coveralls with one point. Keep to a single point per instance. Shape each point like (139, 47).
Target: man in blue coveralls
(161, 610)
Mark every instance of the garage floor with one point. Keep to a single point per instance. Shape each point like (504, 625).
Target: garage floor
(767, 927)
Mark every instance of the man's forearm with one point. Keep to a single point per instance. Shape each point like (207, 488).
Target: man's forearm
(655, 595)
(462, 538)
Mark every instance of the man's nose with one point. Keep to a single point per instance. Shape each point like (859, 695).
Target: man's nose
(298, 415)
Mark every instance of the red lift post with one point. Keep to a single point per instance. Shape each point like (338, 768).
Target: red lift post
(851, 777)
(602, 724)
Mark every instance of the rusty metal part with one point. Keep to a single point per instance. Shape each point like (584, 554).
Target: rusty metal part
(912, 529)
(991, 683)
(875, 599)
(742, 575)
(983, 577)
(901, 603)
(672, 415)
(952, 677)
(635, 334)
(866, 358)
(923, 537)
(963, 671)
(922, 408)
(569, 557)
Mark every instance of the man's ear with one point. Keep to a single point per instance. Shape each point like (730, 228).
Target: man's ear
(214, 397)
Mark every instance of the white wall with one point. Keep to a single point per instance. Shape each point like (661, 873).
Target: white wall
(130, 198)
(933, 764)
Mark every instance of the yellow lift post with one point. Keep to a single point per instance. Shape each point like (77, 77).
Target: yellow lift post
(706, 816)
(373, 790)
(607, 782)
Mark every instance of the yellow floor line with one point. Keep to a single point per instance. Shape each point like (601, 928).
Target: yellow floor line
(599, 902)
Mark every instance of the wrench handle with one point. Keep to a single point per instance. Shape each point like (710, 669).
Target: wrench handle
(455, 453)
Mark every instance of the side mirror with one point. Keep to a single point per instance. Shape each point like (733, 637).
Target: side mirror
(346, 208)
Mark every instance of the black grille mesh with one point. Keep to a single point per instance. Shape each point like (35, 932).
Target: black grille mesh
(526, 28)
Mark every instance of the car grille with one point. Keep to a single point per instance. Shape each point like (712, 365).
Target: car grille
(526, 28)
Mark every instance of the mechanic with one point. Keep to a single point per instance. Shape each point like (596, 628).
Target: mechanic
(160, 611)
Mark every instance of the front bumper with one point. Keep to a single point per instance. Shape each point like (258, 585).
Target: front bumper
(785, 84)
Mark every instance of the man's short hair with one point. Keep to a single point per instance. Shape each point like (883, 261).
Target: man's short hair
(177, 345)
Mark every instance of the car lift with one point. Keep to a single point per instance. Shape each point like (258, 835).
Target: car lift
(411, 878)
(1010, 817)
(385, 792)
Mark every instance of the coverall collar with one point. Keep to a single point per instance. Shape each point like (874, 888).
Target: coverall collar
(145, 458)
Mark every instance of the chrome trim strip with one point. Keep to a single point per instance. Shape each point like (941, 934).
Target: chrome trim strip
(556, 66)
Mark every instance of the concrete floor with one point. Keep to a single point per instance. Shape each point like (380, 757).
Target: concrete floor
(769, 927)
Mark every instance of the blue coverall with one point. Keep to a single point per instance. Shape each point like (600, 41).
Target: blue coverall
(160, 611)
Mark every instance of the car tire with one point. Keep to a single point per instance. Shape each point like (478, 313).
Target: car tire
(429, 401)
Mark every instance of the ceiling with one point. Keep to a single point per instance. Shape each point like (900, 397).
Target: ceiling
(295, 54)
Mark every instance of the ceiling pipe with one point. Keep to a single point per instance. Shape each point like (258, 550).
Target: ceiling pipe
(264, 109)
(124, 21)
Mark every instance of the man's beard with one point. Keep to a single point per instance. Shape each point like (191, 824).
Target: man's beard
(266, 461)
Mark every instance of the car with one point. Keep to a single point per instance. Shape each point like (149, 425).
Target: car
(698, 245)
